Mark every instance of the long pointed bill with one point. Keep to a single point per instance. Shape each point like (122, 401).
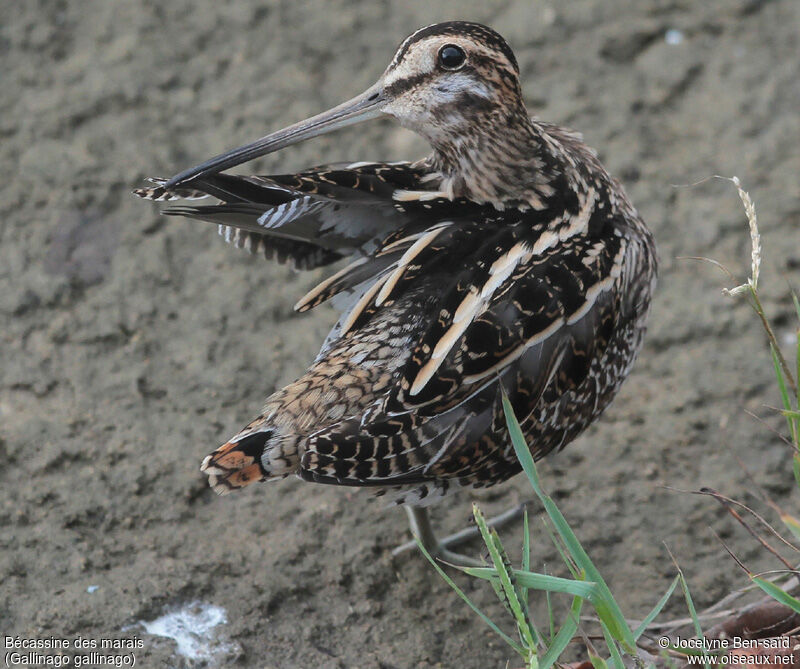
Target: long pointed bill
(362, 107)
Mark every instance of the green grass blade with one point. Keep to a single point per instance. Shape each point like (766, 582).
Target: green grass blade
(521, 447)
(501, 595)
(777, 594)
(616, 657)
(791, 523)
(564, 636)
(692, 611)
(507, 580)
(690, 605)
(609, 611)
(519, 649)
(797, 358)
(598, 662)
(652, 615)
(551, 614)
(494, 552)
(796, 468)
(787, 403)
(796, 304)
(582, 589)
(526, 554)
(546, 582)
(781, 381)
(573, 569)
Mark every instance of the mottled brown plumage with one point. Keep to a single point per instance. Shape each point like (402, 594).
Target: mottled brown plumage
(508, 259)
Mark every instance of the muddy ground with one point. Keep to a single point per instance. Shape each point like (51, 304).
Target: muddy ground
(131, 345)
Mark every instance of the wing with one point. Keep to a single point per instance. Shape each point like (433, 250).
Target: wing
(518, 299)
(312, 218)
(517, 307)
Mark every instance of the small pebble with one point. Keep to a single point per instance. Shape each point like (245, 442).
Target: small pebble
(673, 36)
(92, 588)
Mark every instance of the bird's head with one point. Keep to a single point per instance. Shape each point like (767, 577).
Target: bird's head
(446, 81)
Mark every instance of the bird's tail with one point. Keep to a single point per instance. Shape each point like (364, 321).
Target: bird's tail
(236, 463)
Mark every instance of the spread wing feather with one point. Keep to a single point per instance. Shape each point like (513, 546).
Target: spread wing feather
(314, 217)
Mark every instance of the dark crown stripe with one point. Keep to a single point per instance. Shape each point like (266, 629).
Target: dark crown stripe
(475, 31)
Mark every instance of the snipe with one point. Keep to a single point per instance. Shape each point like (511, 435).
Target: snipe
(508, 258)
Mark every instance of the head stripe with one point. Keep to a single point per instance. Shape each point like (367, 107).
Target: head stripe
(476, 31)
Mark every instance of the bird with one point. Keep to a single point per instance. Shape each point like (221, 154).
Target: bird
(507, 261)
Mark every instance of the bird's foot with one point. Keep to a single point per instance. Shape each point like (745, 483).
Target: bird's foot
(439, 549)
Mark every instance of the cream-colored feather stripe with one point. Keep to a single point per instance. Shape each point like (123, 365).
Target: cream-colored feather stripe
(316, 291)
(401, 195)
(468, 310)
(362, 303)
(402, 264)
(592, 294)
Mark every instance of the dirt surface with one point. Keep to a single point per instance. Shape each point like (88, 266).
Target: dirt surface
(131, 345)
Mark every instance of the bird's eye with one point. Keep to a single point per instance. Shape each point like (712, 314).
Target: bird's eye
(451, 57)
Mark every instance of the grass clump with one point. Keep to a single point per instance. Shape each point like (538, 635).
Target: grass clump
(540, 650)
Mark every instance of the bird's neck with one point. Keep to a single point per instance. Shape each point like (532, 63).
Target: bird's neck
(503, 159)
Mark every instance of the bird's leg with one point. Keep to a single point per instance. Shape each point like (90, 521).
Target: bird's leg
(421, 526)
